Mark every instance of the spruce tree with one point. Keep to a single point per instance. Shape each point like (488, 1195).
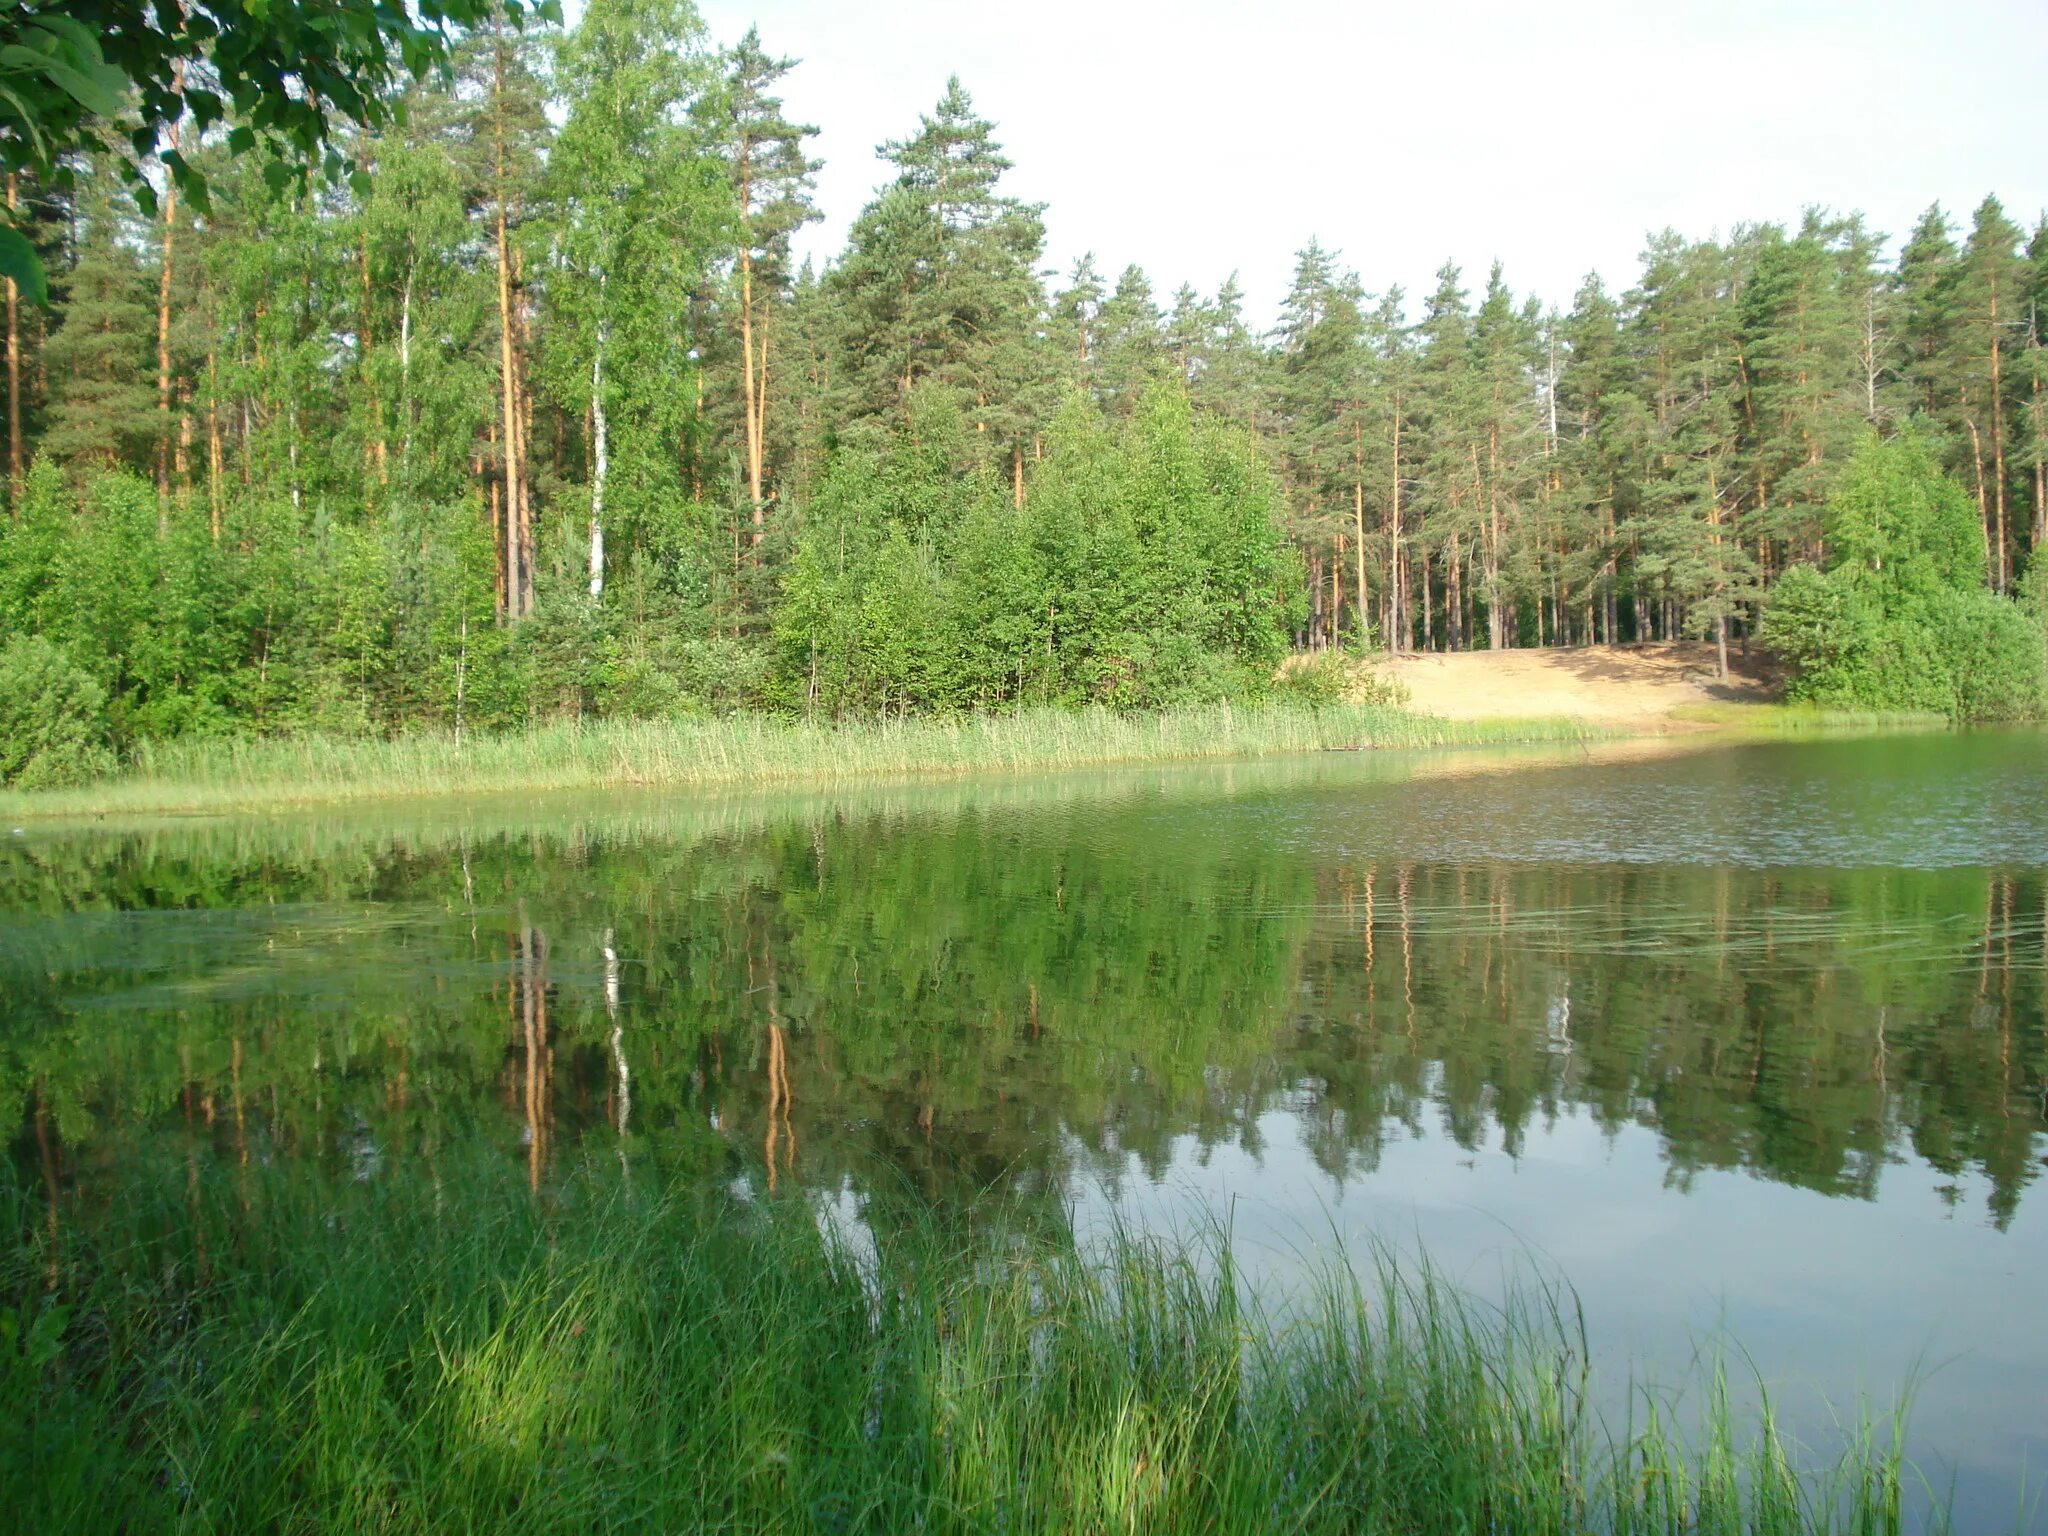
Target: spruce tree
(102, 406)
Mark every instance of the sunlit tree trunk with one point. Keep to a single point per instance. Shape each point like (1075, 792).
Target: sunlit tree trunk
(2000, 555)
(1358, 528)
(600, 451)
(214, 486)
(14, 464)
(1396, 556)
(516, 582)
(163, 330)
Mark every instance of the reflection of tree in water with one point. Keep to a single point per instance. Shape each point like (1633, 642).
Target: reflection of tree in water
(952, 1004)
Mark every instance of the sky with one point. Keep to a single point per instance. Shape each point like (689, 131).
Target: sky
(1201, 137)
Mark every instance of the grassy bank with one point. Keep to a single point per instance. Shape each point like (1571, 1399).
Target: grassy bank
(1778, 719)
(253, 773)
(234, 1348)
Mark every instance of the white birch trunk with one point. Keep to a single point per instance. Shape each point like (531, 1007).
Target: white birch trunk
(601, 454)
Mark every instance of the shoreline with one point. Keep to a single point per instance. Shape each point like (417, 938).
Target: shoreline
(242, 775)
(247, 775)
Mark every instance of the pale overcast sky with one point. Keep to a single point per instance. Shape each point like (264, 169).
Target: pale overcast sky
(1198, 137)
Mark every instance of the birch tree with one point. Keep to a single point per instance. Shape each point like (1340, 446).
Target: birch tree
(642, 208)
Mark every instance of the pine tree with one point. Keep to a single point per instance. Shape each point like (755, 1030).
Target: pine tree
(2032, 392)
(1803, 329)
(1074, 321)
(940, 285)
(1986, 314)
(1921, 279)
(1450, 405)
(772, 177)
(1504, 342)
(1603, 434)
(1689, 555)
(1131, 345)
(1225, 375)
(505, 134)
(1319, 400)
(1391, 394)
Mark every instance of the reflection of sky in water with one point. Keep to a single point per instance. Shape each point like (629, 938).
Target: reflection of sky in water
(1835, 1301)
(1905, 802)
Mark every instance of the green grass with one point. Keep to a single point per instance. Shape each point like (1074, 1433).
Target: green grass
(241, 1348)
(1808, 719)
(252, 773)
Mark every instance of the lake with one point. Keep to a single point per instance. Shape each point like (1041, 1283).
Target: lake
(1747, 1043)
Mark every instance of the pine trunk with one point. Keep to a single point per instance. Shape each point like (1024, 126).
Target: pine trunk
(213, 446)
(750, 405)
(1983, 502)
(2000, 569)
(1337, 594)
(14, 464)
(1358, 531)
(163, 332)
(1396, 558)
(516, 581)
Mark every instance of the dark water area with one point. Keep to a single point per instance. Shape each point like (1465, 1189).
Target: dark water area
(1746, 1043)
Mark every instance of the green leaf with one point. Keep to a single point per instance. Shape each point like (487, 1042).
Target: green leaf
(278, 175)
(73, 31)
(90, 93)
(240, 141)
(18, 260)
(25, 59)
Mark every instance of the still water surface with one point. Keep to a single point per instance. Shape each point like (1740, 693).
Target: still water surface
(1749, 1044)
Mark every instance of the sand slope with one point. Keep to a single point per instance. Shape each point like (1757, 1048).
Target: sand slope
(1638, 684)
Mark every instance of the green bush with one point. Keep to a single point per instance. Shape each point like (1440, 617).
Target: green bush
(53, 718)
(2032, 596)
(1992, 652)
(1901, 619)
(1318, 681)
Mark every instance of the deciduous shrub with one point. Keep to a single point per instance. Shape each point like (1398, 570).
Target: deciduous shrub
(1901, 618)
(53, 718)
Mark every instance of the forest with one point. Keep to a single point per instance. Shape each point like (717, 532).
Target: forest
(537, 416)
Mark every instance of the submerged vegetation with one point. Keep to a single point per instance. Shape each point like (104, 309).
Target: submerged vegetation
(435, 1348)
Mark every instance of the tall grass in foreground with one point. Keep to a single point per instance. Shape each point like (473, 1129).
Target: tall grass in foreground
(239, 1349)
(235, 773)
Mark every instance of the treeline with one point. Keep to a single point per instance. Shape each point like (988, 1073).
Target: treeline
(537, 414)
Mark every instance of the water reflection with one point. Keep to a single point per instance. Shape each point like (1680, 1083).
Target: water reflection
(1325, 988)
